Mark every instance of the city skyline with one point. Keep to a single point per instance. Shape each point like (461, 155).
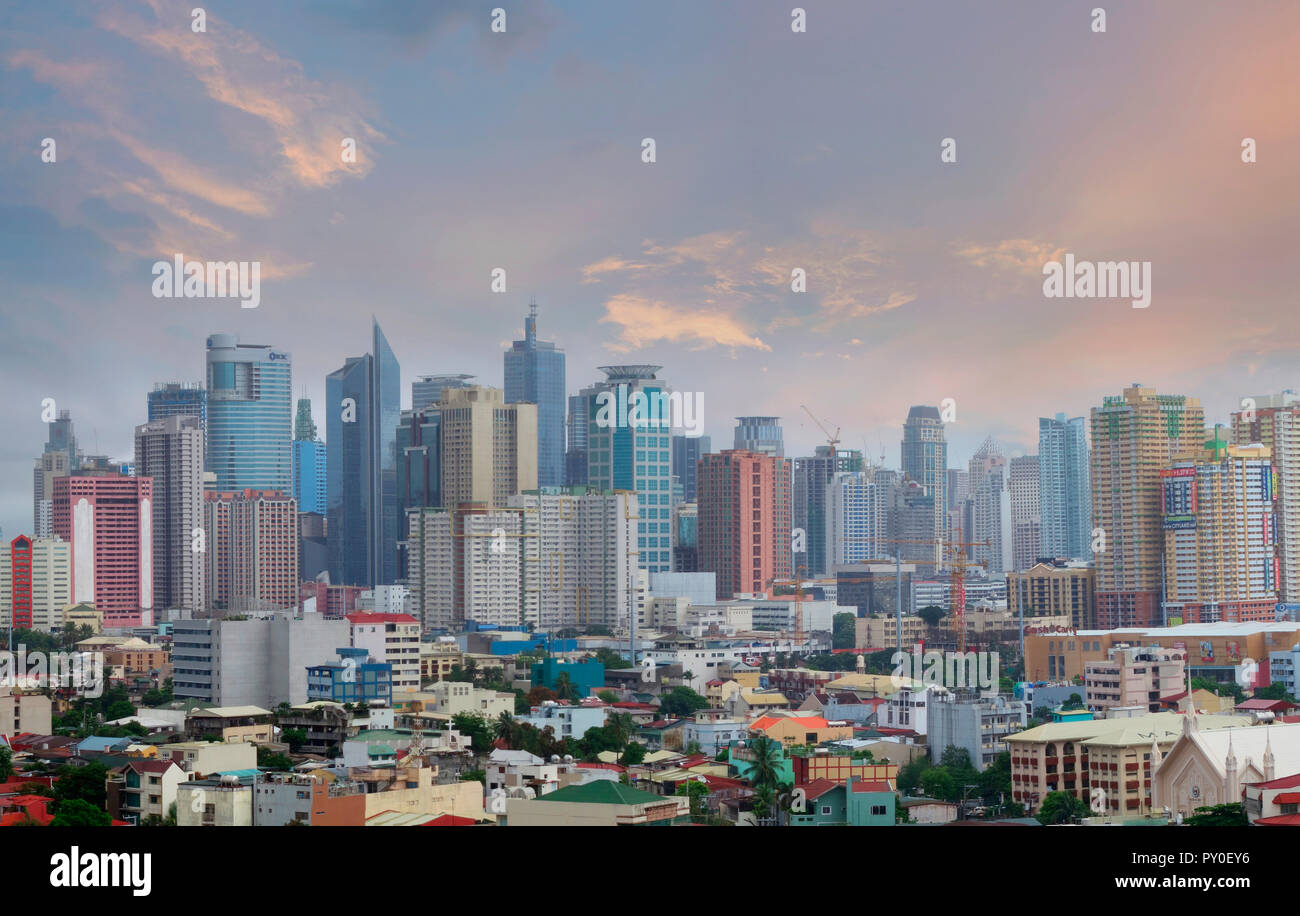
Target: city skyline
(232, 154)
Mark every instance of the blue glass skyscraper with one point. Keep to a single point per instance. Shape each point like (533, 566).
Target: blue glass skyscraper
(363, 404)
(535, 375)
(250, 415)
(176, 399)
(1064, 488)
(308, 462)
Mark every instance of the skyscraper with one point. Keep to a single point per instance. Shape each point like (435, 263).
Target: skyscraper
(1220, 552)
(252, 560)
(687, 451)
(629, 450)
(176, 399)
(925, 460)
(107, 520)
(1064, 488)
(428, 389)
(759, 434)
(35, 582)
(363, 405)
(575, 454)
(744, 520)
(419, 465)
(309, 475)
(1025, 510)
(170, 450)
(488, 448)
(812, 475)
(857, 516)
(1274, 422)
(1134, 436)
(535, 375)
(250, 415)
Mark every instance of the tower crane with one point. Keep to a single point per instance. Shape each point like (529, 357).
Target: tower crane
(832, 439)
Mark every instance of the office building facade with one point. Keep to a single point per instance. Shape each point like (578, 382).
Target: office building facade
(534, 374)
(249, 415)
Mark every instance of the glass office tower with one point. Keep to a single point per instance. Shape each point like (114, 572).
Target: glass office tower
(250, 416)
(535, 375)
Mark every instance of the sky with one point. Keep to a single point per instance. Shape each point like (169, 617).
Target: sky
(774, 150)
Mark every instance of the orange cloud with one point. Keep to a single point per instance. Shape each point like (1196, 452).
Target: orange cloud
(643, 322)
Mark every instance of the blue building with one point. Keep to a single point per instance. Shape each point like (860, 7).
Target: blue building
(250, 416)
(535, 375)
(308, 462)
(686, 458)
(363, 406)
(1064, 488)
(419, 465)
(624, 453)
(175, 399)
(586, 676)
(351, 679)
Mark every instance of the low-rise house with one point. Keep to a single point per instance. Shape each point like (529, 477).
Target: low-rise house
(201, 759)
(231, 724)
(222, 801)
(843, 705)
(663, 734)
(922, 810)
(853, 803)
(597, 804)
(326, 726)
(565, 720)
(508, 770)
(143, 788)
(748, 702)
(712, 730)
(800, 730)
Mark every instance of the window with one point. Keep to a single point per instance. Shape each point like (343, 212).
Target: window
(826, 809)
(878, 810)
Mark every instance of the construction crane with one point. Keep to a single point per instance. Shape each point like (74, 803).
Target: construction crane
(832, 439)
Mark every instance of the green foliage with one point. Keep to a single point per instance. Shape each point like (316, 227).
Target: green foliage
(937, 782)
(268, 759)
(611, 659)
(473, 776)
(74, 812)
(6, 764)
(766, 761)
(295, 738)
(825, 661)
(476, 728)
(81, 782)
(1061, 808)
(607, 696)
(1220, 688)
(932, 614)
(681, 702)
(1273, 692)
(909, 775)
(633, 754)
(1233, 815)
(995, 781)
(697, 792)
(844, 631)
(1074, 702)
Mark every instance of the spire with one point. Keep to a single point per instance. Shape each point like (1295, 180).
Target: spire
(530, 323)
(1268, 755)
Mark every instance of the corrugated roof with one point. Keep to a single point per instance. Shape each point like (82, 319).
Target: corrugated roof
(603, 792)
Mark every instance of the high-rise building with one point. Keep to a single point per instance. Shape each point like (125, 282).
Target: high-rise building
(759, 434)
(687, 451)
(466, 564)
(686, 538)
(35, 583)
(488, 447)
(250, 415)
(744, 512)
(629, 448)
(419, 465)
(393, 638)
(575, 454)
(811, 476)
(49, 466)
(1220, 556)
(252, 556)
(1055, 588)
(170, 450)
(363, 406)
(534, 371)
(179, 399)
(911, 523)
(107, 520)
(993, 526)
(309, 477)
(1025, 521)
(428, 389)
(1134, 436)
(925, 460)
(857, 519)
(1274, 422)
(62, 438)
(1064, 488)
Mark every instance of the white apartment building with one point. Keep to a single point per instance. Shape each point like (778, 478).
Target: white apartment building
(857, 516)
(51, 589)
(391, 638)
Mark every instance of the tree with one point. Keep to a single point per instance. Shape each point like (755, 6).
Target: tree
(931, 614)
(473, 776)
(844, 631)
(937, 782)
(995, 781)
(540, 695)
(564, 688)
(81, 782)
(909, 775)
(295, 738)
(764, 800)
(1233, 815)
(611, 659)
(607, 696)
(1074, 702)
(78, 813)
(476, 728)
(681, 702)
(268, 759)
(633, 754)
(766, 762)
(697, 791)
(1273, 692)
(6, 764)
(1061, 808)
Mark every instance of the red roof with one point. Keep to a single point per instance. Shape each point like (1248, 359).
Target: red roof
(1281, 820)
(646, 706)
(450, 820)
(1265, 705)
(601, 766)
(19, 807)
(875, 785)
(1282, 782)
(819, 787)
(372, 617)
(1287, 798)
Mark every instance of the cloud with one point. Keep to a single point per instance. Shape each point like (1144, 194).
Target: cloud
(1023, 256)
(643, 322)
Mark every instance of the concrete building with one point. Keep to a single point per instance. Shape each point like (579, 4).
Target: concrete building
(49, 466)
(1210, 766)
(1054, 588)
(1023, 481)
(1274, 422)
(143, 789)
(925, 461)
(857, 520)
(225, 801)
(251, 551)
(1134, 437)
(908, 708)
(252, 661)
(24, 712)
(600, 803)
(35, 582)
(811, 478)
(1220, 558)
(687, 452)
(107, 520)
(1283, 665)
(978, 724)
(1135, 676)
(565, 721)
(1064, 488)
(390, 638)
(170, 451)
(489, 447)
(744, 510)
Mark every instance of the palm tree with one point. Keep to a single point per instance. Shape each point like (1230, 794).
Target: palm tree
(767, 759)
(564, 688)
(764, 800)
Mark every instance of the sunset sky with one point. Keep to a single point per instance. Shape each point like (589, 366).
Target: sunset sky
(775, 150)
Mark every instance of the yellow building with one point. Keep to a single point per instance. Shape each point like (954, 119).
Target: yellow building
(800, 730)
(1054, 590)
